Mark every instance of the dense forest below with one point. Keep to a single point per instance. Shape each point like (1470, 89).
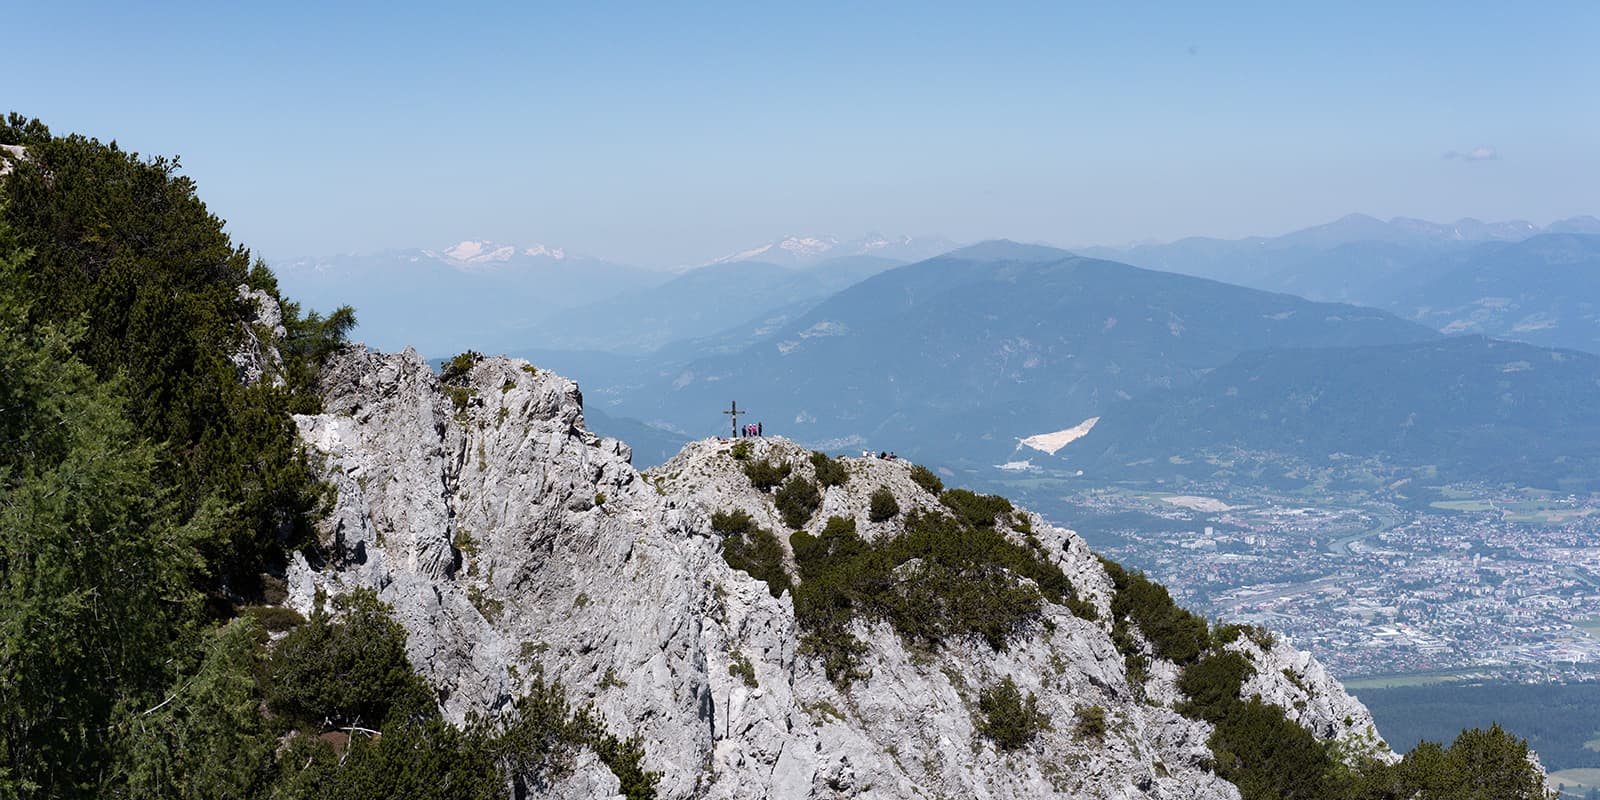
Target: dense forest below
(1558, 720)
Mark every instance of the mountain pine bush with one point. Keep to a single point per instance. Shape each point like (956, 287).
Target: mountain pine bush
(797, 500)
(881, 506)
(925, 478)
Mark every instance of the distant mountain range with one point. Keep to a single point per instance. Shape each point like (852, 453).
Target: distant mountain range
(955, 356)
(955, 359)
(1352, 259)
(698, 303)
(496, 296)
(1509, 280)
(1544, 290)
(796, 251)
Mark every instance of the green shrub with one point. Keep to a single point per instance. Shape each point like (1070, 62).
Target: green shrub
(1176, 634)
(276, 619)
(1268, 756)
(1259, 749)
(625, 758)
(209, 740)
(760, 554)
(977, 510)
(732, 523)
(1476, 760)
(765, 474)
(115, 681)
(833, 568)
(740, 667)
(1229, 633)
(925, 478)
(464, 542)
(455, 370)
(882, 505)
(741, 450)
(1212, 684)
(348, 666)
(489, 607)
(1022, 523)
(965, 582)
(1008, 718)
(755, 550)
(829, 472)
(1081, 608)
(797, 501)
(1137, 669)
(1091, 723)
(423, 756)
(459, 396)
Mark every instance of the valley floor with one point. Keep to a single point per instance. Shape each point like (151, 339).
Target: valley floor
(1482, 581)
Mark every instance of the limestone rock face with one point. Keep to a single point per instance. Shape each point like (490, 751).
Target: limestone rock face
(8, 154)
(258, 356)
(511, 540)
(1296, 682)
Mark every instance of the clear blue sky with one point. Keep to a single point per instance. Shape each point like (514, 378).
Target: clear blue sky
(670, 132)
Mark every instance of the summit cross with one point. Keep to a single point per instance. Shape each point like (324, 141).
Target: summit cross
(734, 412)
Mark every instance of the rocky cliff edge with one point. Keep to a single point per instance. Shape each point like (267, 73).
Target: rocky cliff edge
(512, 542)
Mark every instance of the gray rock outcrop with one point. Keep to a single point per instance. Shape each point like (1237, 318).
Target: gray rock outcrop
(10, 153)
(257, 357)
(511, 542)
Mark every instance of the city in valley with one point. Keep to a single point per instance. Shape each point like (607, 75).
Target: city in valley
(1483, 581)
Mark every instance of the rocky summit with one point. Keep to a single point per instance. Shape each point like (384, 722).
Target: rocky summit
(513, 544)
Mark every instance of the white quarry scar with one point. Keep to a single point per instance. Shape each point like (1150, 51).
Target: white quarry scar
(1051, 442)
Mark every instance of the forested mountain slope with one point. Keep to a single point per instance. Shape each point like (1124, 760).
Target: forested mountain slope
(1545, 291)
(1464, 408)
(957, 356)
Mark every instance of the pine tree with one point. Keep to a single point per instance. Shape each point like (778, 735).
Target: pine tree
(92, 575)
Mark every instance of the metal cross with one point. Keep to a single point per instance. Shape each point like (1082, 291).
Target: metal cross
(734, 412)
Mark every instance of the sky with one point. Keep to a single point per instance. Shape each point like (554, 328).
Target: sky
(670, 133)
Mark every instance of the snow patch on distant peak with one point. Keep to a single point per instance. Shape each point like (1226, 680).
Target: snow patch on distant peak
(1051, 442)
(797, 250)
(873, 242)
(477, 252)
(556, 253)
(793, 247)
(808, 245)
(743, 255)
(469, 251)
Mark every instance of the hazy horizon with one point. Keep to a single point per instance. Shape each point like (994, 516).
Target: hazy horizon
(711, 254)
(669, 136)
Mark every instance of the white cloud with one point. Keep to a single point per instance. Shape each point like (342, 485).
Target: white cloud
(1475, 154)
